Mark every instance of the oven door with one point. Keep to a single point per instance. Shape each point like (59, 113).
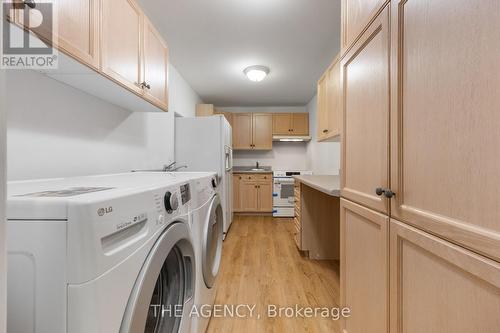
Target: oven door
(283, 194)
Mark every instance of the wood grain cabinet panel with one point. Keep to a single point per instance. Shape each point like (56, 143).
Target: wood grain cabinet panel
(438, 287)
(322, 106)
(249, 197)
(236, 193)
(265, 188)
(282, 123)
(155, 66)
(300, 123)
(121, 42)
(77, 32)
(242, 131)
(365, 137)
(262, 131)
(445, 107)
(356, 15)
(329, 103)
(364, 268)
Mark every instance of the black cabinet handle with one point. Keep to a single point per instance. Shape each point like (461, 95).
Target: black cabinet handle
(29, 3)
(145, 85)
(325, 131)
(386, 192)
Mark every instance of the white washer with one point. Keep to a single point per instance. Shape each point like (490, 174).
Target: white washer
(208, 233)
(100, 254)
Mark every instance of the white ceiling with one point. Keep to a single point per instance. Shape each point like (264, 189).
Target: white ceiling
(212, 41)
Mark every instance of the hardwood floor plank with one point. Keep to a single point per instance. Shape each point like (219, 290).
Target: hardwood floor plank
(261, 266)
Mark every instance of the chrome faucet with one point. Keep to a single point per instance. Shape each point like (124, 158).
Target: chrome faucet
(166, 168)
(257, 165)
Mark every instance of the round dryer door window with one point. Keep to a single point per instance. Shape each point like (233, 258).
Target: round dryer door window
(212, 242)
(164, 286)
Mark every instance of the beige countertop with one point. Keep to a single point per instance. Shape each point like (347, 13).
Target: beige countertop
(323, 183)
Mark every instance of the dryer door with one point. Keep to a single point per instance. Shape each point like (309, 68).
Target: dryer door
(213, 234)
(164, 288)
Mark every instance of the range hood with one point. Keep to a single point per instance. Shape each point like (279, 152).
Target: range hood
(291, 138)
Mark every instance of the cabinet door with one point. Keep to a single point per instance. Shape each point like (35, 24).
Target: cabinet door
(236, 193)
(265, 196)
(121, 42)
(333, 102)
(438, 287)
(300, 123)
(77, 32)
(282, 124)
(365, 153)
(155, 66)
(445, 137)
(262, 131)
(364, 270)
(356, 15)
(249, 196)
(242, 131)
(322, 120)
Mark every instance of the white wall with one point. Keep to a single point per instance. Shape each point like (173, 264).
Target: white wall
(54, 130)
(323, 157)
(284, 156)
(3, 270)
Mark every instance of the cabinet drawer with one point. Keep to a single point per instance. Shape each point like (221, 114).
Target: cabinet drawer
(246, 177)
(265, 178)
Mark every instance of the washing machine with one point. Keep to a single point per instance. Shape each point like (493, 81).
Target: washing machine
(101, 254)
(207, 225)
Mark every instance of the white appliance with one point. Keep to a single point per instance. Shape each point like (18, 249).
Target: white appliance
(205, 144)
(101, 254)
(283, 192)
(207, 225)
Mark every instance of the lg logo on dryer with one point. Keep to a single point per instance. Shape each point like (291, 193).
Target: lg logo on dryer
(104, 211)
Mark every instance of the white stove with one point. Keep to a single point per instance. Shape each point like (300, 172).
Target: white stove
(283, 193)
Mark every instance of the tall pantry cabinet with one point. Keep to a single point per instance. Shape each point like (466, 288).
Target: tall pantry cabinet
(420, 213)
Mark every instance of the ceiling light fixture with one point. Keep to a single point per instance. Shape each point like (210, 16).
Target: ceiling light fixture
(256, 73)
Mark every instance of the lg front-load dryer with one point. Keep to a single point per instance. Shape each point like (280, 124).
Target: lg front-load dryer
(109, 254)
(208, 232)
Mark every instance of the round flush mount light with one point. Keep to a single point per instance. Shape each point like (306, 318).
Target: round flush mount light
(256, 73)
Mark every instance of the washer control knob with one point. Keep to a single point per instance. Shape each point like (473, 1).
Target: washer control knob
(214, 183)
(171, 202)
(161, 219)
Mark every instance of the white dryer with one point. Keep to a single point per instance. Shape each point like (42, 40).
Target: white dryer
(100, 254)
(208, 233)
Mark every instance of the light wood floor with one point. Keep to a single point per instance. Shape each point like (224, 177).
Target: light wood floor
(261, 265)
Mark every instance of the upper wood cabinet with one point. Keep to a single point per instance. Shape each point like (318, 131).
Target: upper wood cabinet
(329, 103)
(77, 32)
(439, 287)
(356, 15)
(444, 135)
(205, 110)
(121, 42)
(252, 131)
(365, 153)
(155, 66)
(364, 268)
(289, 124)
(227, 115)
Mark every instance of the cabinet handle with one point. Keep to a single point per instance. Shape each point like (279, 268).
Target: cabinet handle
(325, 131)
(145, 85)
(29, 3)
(386, 192)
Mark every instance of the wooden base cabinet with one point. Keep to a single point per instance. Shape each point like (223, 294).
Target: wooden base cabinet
(438, 287)
(364, 268)
(253, 193)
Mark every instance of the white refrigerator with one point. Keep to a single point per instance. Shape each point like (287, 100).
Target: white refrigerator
(205, 144)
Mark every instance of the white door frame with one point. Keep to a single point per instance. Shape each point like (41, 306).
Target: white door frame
(3, 166)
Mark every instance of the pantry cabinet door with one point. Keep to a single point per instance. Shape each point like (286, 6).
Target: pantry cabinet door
(77, 28)
(364, 270)
(282, 124)
(365, 137)
(300, 124)
(445, 158)
(438, 287)
(262, 131)
(356, 15)
(242, 131)
(249, 197)
(155, 66)
(236, 193)
(265, 197)
(121, 42)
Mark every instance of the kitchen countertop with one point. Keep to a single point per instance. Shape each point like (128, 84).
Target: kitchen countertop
(324, 183)
(248, 169)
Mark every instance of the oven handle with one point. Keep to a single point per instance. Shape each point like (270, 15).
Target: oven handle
(284, 180)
